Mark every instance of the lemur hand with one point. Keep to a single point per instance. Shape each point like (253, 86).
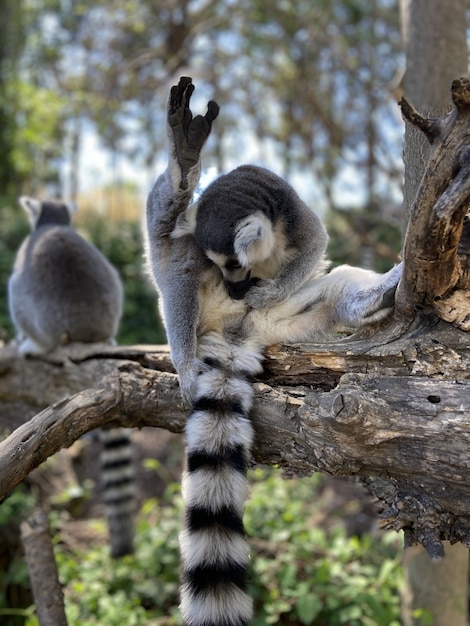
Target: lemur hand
(188, 377)
(189, 133)
(265, 293)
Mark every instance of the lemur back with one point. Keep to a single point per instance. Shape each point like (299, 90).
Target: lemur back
(62, 289)
(240, 270)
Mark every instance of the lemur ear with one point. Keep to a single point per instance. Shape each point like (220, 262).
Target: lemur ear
(32, 207)
(254, 239)
(186, 223)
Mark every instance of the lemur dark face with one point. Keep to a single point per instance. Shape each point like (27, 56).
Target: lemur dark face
(230, 266)
(237, 279)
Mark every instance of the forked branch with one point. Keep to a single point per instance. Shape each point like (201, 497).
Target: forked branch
(433, 269)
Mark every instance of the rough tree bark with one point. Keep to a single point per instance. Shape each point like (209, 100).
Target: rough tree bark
(39, 554)
(389, 404)
(435, 42)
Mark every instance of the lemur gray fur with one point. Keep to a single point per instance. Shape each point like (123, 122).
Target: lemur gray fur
(62, 289)
(240, 270)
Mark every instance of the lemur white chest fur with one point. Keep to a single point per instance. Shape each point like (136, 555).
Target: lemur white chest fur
(217, 309)
(240, 270)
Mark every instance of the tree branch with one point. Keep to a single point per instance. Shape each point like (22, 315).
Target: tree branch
(393, 408)
(432, 266)
(42, 569)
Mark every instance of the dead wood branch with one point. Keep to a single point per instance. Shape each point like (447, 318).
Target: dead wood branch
(396, 411)
(42, 570)
(433, 269)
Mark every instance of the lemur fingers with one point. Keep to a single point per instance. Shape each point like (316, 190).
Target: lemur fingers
(189, 134)
(265, 293)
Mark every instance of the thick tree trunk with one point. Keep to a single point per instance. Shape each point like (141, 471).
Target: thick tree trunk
(435, 39)
(436, 592)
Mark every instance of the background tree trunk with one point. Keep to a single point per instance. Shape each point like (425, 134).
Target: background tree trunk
(435, 41)
(39, 554)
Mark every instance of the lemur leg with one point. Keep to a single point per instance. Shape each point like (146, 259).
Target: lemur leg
(366, 296)
(28, 346)
(348, 296)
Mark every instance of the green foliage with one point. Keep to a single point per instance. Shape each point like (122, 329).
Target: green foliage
(300, 574)
(14, 581)
(306, 575)
(140, 589)
(39, 133)
(16, 506)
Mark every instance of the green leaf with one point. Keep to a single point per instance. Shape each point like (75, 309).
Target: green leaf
(308, 607)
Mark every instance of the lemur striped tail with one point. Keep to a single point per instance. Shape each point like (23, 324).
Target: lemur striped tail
(118, 474)
(214, 551)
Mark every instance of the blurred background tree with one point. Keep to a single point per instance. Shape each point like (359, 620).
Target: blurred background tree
(305, 88)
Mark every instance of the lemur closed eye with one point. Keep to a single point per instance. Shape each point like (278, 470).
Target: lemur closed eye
(240, 270)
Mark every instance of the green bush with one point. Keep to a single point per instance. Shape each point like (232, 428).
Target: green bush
(139, 589)
(14, 581)
(301, 574)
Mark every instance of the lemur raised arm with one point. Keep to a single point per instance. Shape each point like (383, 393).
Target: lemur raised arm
(240, 270)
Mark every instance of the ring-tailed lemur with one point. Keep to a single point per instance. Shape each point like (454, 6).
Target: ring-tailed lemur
(61, 290)
(240, 270)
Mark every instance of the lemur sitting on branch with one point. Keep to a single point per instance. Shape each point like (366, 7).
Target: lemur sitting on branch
(241, 269)
(62, 289)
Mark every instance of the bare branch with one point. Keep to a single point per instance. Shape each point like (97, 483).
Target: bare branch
(432, 266)
(396, 411)
(429, 126)
(42, 569)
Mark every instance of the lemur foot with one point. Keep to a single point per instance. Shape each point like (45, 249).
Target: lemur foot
(188, 376)
(374, 303)
(29, 347)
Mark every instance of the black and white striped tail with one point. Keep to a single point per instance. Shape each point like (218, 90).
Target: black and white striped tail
(118, 476)
(214, 550)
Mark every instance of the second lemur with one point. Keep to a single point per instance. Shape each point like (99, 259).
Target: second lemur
(241, 269)
(62, 290)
